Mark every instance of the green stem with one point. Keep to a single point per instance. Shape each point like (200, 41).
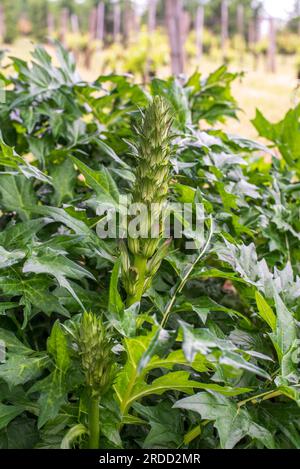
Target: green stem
(260, 397)
(94, 422)
(140, 263)
(185, 278)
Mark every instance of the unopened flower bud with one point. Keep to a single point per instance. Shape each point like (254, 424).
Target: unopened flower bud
(95, 348)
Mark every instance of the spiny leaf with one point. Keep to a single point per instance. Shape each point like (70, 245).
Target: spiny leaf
(233, 424)
(8, 413)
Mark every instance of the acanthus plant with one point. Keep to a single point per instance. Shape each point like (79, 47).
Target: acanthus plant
(136, 342)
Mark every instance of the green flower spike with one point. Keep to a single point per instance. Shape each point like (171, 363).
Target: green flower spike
(97, 361)
(152, 150)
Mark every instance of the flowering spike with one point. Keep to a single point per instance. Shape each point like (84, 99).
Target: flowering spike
(152, 151)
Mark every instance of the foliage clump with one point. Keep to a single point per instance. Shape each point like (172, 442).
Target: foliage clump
(145, 343)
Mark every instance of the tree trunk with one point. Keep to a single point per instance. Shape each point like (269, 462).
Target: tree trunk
(240, 29)
(117, 22)
(224, 28)
(100, 18)
(174, 16)
(186, 20)
(252, 43)
(258, 29)
(50, 24)
(75, 30)
(88, 53)
(64, 25)
(127, 19)
(93, 23)
(251, 33)
(240, 20)
(272, 46)
(152, 7)
(136, 21)
(199, 31)
(298, 14)
(74, 23)
(2, 24)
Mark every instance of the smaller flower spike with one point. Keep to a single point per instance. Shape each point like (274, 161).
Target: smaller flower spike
(97, 359)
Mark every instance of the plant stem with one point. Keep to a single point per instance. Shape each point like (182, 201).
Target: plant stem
(185, 278)
(260, 397)
(140, 263)
(94, 422)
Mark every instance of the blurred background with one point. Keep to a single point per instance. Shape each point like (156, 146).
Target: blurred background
(158, 37)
